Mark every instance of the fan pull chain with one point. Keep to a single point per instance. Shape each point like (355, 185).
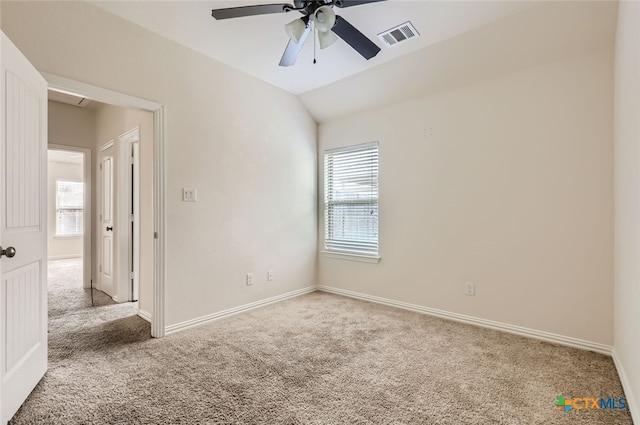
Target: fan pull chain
(314, 42)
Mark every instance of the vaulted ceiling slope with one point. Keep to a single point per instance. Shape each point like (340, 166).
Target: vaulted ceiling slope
(549, 32)
(460, 42)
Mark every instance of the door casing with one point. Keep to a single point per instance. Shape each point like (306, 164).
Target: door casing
(99, 94)
(128, 215)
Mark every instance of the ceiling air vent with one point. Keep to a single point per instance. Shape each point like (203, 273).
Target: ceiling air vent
(398, 34)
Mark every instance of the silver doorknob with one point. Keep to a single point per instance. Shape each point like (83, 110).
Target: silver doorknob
(10, 252)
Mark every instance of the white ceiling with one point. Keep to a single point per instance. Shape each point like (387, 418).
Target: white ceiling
(459, 41)
(255, 44)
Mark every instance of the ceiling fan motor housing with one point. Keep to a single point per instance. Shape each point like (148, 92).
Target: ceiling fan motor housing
(308, 7)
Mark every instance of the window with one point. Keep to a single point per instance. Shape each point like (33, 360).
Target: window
(351, 200)
(69, 208)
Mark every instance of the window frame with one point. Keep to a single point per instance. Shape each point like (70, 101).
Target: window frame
(344, 253)
(79, 210)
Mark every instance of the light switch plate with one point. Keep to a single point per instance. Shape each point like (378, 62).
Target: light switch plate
(189, 195)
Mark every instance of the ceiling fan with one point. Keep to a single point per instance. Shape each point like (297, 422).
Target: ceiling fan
(316, 13)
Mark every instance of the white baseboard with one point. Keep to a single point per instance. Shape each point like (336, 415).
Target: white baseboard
(504, 327)
(63, 257)
(236, 310)
(144, 315)
(626, 386)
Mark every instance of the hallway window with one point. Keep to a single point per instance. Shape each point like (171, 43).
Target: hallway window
(69, 208)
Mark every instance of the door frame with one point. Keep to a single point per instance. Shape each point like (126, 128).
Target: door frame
(126, 101)
(128, 244)
(86, 215)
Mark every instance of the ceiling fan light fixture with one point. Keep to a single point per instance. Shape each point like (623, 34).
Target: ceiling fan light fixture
(295, 29)
(318, 17)
(325, 19)
(326, 39)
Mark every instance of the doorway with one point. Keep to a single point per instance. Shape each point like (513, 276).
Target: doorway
(152, 227)
(69, 211)
(130, 211)
(120, 217)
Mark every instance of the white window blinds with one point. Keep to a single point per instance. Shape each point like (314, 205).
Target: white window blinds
(351, 199)
(69, 208)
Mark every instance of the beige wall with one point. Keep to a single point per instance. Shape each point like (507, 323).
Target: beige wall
(506, 183)
(111, 123)
(71, 126)
(65, 246)
(627, 202)
(247, 147)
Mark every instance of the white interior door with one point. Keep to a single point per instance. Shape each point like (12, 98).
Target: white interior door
(23, 227)
(135, 224)
(107, 263)
(127, 246)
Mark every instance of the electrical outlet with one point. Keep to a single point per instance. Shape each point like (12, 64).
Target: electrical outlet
(470, 288)
(249, 278)
(270, 275)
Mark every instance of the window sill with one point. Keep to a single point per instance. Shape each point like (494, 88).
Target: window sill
(374, 259)
(67, 236)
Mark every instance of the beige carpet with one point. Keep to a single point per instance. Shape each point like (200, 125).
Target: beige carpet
(315, 359)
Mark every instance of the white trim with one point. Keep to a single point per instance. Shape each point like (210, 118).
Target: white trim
(504, 327)
(135, 244)
(351, 147)
(87, 212)
(107, 145)
(126, 101)
(63, 257)
(159, 176)
(363, 258)
(235, 310)
(99, 94)
(633, 406)
(127, 244)
(145, 315)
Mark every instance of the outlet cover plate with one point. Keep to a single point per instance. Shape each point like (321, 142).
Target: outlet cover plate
(470, 288)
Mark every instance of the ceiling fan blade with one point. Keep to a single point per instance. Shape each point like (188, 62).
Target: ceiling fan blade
(292, 51)
(349, 3)
(260, 9)
(355, 38)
